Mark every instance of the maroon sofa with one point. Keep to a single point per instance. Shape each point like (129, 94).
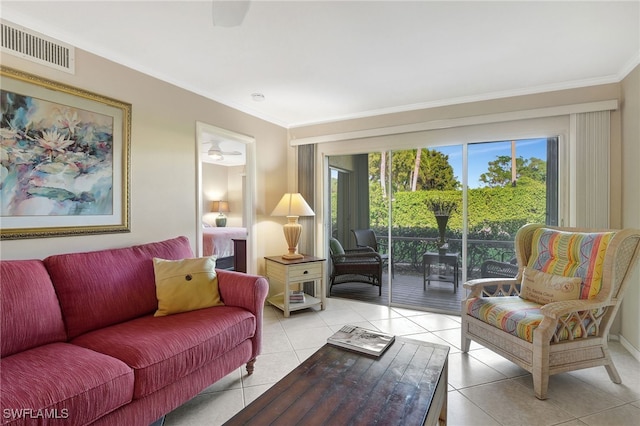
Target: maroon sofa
(80, 344)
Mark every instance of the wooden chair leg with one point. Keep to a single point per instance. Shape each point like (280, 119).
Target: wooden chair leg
(540, 385)
(540, 367)
(466, 343)
(613, 373)
(250, 366)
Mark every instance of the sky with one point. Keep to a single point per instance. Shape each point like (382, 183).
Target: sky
(480, 154)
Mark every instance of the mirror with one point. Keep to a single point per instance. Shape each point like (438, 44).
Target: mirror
(225, 194)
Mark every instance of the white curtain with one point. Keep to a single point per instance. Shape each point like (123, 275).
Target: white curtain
(592, 162)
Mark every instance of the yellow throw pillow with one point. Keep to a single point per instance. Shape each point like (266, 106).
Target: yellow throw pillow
(185, 285)
(543, 288)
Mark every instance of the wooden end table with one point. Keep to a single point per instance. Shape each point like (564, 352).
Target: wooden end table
(294, 272)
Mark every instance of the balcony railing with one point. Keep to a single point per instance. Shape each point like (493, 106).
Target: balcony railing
(407, 252)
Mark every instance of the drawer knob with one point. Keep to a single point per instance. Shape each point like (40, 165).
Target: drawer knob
(305, 272)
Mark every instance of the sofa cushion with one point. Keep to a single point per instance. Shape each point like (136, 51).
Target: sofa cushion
(30, 312)
(102, 288)
(571, 254)
(73, 384)
(164, 349)
(543, 288)
(185, 285)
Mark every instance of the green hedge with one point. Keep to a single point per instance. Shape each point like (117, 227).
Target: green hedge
(494, 214)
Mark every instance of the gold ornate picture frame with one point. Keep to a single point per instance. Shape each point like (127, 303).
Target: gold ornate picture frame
(64, 159)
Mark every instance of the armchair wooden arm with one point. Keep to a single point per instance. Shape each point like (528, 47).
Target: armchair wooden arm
(557, 310)
(490, 287)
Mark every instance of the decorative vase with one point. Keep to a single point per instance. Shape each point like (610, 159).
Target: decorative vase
(442, 220)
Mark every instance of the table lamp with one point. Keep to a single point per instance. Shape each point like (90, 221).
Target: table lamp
(220, 207)
(292, 205)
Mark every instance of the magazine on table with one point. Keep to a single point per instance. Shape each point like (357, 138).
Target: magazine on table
(361, 339)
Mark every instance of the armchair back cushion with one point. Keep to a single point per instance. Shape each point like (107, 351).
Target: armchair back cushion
(106, 287)
(571, 254)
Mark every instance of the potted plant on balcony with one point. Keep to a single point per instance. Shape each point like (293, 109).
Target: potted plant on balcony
(442, 210)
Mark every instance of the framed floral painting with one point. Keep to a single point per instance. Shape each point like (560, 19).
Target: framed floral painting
(64, 159)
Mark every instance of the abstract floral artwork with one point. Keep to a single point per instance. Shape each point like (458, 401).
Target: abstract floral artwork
(62, 168)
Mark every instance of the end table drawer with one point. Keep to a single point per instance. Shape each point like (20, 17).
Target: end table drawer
(305, 272)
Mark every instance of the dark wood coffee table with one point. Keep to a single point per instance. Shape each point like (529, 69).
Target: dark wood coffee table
(407, 385)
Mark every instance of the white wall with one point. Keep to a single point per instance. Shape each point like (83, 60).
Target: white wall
(163, 159)
(630, 315)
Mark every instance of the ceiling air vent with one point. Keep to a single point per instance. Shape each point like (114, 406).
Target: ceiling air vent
(36, 47)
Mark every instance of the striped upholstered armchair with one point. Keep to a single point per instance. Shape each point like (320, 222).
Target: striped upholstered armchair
(555, 315)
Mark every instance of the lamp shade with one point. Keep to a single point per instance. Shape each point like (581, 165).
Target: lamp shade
(220, 206)
(292, 204)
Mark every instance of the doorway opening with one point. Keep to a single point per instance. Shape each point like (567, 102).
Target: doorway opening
(225, 197)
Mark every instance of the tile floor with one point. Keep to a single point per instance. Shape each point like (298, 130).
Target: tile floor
(484, 388)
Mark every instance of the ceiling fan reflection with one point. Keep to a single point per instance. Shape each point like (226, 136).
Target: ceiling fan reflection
(217, 154)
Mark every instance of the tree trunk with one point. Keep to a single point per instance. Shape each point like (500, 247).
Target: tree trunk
(383, 167)
(416, 169)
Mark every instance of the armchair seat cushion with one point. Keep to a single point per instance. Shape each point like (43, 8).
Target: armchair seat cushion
(519, 317)
(511, 314)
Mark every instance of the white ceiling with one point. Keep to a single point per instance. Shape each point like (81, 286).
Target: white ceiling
(318, 61)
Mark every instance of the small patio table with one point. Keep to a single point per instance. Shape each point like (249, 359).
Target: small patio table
(447, 259)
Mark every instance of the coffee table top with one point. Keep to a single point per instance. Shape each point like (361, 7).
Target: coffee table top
(338, 386)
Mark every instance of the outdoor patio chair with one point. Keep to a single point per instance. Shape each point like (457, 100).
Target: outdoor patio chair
(555, 315)
(496, 269)
(367, 238)
(355, 265)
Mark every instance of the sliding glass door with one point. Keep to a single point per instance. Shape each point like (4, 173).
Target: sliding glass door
(509, 185)
(442, 212)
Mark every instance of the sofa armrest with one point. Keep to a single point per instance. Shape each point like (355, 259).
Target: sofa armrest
(243, 290)
(248, 292)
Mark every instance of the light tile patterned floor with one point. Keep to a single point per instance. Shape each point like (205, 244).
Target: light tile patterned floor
(484, 388)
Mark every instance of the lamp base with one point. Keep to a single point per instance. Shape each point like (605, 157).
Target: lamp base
(221, 221)
(292, 230)
(294, 256)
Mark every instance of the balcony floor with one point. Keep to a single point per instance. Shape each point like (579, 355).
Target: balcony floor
(407, 291)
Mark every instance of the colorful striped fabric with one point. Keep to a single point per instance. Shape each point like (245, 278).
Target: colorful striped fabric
(519, 317)
(512, 314)
(571, 254)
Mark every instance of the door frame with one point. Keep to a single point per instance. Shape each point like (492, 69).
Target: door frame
(249, 190)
